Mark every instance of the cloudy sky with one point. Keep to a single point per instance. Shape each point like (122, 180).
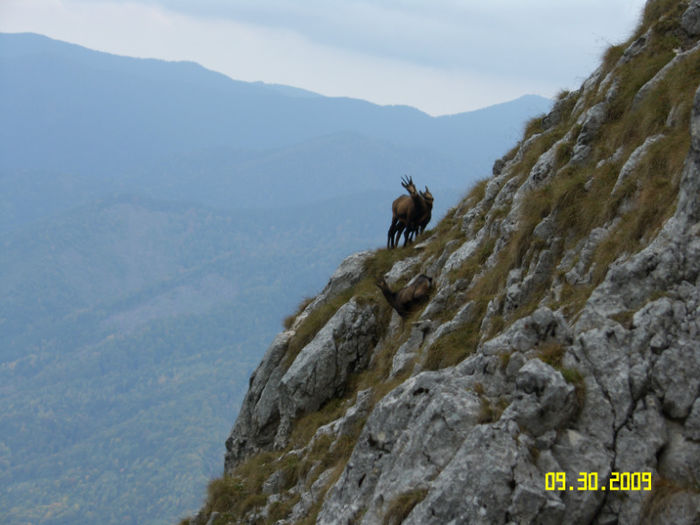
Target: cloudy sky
(441, 56)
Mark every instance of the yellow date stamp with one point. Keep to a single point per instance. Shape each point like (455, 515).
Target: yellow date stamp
(589, 481)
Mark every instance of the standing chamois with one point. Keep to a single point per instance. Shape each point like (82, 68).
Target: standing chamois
(410, 296)
(422, 222)
(407, 213)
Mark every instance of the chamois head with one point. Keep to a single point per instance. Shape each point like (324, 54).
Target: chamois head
(427, 197)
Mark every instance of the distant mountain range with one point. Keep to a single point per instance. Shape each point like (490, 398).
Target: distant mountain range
(157, 220)
(110, 123)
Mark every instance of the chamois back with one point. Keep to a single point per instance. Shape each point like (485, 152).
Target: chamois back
(410, 296)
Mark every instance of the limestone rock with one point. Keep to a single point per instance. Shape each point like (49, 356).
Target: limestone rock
(634, 159)
(690, 21)
(321, 369)
(409, 438)
(545, 401)
(590, 125)
(349, 273)
(257, 421)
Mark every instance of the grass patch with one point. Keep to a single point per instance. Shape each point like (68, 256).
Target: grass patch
(279, 510)
(612, 55)
(236, 495)
(505, 360)
(310, 518)
(241, 492)
(564, 152)
(573, 298)
(471, 266)
(551, 352)
(624, 318)
(485, 250)
(662, 14)
(476, 193)
(289, 320)
(447, 230)
(305, 427)
(654, 201)
(490, 413)
(574, 377)
(533, 126)
(659, 501)
(455, 346)
(486, 412)
(400, 507)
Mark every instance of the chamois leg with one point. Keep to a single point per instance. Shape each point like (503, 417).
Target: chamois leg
(399, 230)
(390, 235)
(411, 234)
(406, 237)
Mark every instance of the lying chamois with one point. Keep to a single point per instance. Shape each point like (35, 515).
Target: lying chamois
(407, 213)
(422, 222)
(410, 296)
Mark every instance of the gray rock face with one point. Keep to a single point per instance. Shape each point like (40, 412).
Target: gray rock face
(545, 401)
(277, 395)
(400, 269)
(651, 84)
(676, 379)
(410, 436)
(590, 125)
(349, 273)
(321, 369)
(690, 21)
(633, 161)
(258, 419)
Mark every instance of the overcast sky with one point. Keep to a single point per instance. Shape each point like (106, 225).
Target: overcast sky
(441, 56)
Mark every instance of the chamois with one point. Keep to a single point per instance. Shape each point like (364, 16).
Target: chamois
(410, 296)
(422, 222)
(402, 210)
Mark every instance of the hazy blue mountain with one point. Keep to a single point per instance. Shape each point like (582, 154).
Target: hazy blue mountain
(124, 109)
(157, 221)
(86, 123)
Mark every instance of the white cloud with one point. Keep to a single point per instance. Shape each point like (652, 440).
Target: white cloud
(442, 57)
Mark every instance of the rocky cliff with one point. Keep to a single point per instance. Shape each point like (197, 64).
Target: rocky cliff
(559, 351)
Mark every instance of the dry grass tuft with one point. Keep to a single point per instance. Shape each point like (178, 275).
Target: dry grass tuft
(401, 506)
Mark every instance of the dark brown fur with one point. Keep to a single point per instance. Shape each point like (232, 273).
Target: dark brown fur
(410, 296)
(402, 210)
(422, 222)
(410, 214)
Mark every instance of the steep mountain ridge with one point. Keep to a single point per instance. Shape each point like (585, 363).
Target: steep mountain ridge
(559, 351)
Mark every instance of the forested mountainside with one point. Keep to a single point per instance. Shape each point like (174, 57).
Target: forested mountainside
(561, 337)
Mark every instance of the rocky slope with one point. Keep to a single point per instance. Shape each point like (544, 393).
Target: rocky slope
(562, 336)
